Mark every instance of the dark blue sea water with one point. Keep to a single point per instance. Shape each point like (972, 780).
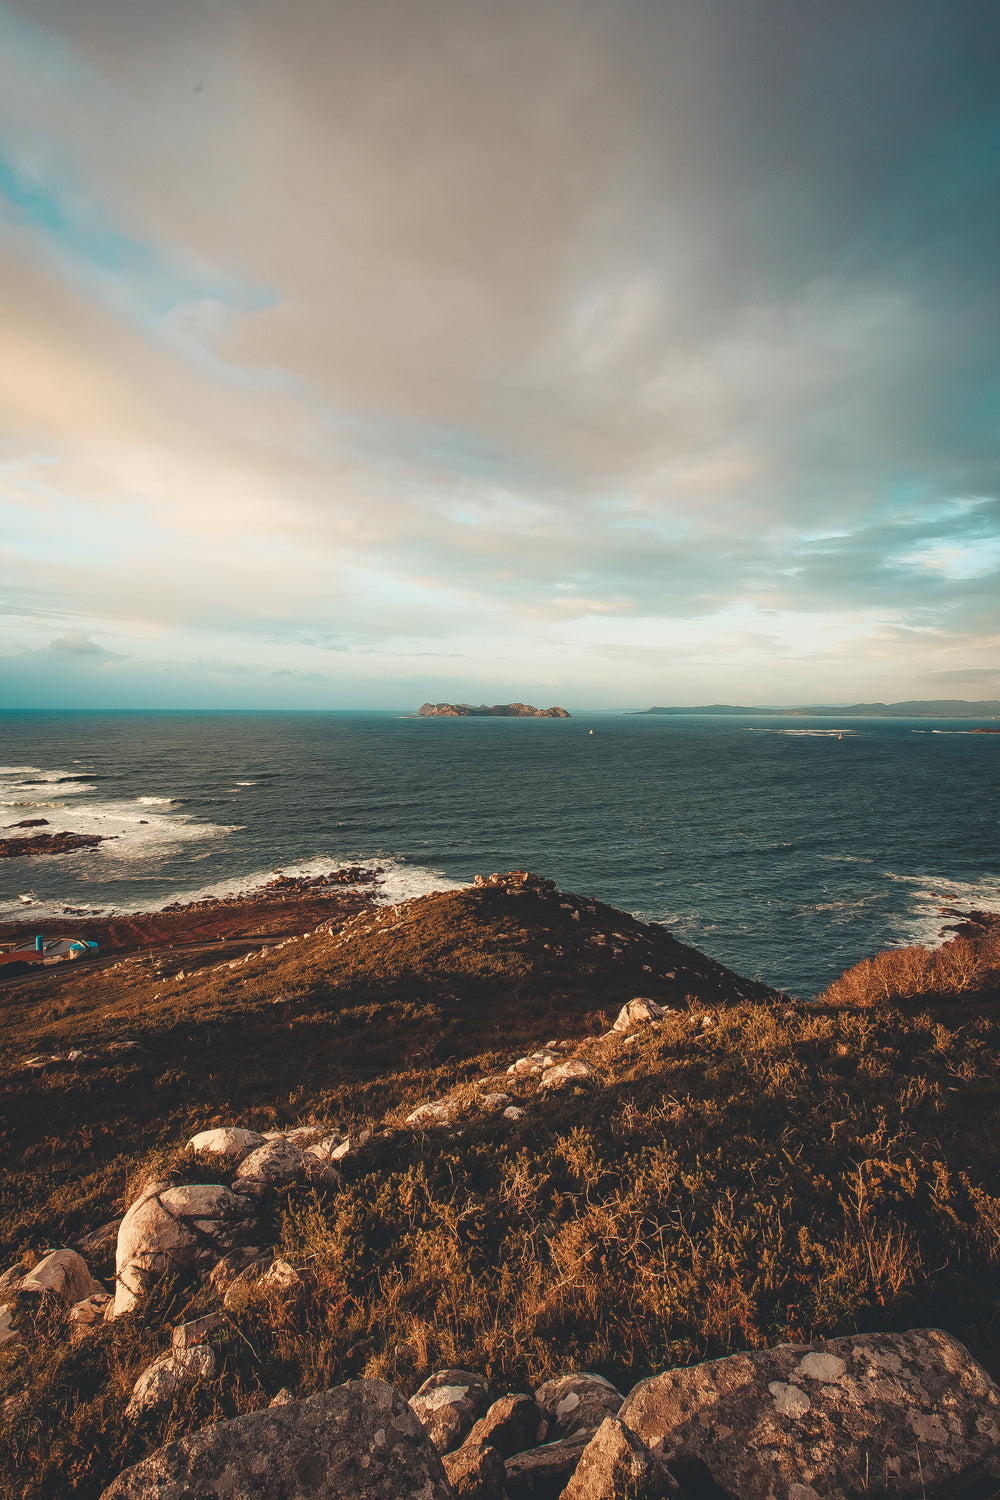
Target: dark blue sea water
(787, 848)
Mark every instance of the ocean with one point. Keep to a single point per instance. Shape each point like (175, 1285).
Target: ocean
(787, 848)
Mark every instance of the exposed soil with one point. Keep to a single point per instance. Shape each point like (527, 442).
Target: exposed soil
(286, 906)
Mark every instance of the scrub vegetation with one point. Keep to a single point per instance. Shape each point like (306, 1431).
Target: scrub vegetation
(751, 1171)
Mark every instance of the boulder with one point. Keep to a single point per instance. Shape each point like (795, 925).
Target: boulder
(476, 1473)
(318, 1168)
(231, 1267)
(281, 1276)
(229, 1141)
(6, 1331)
(160, 1381)
(65, 1273)
(359, 1440)
(511, 1425)
(542, 1473)
(100, 1242)
(901, 1413)
(638, 1012)
(86, 1316)
(447, 1404)
(430, 1114)
(575, 1403)
(350, 1145)
(494, 1102)
(616, 1465)
(167, 1228)
(513, 1114)
(563, 1074)
(274, 1162)
(188, 1335)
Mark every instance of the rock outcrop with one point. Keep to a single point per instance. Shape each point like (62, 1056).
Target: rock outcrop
(360, 1439)
(498, 711)
(903, 1414)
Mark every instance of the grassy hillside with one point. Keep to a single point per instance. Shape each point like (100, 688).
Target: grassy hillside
(750, 1171)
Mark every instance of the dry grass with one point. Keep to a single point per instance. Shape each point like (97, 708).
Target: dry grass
(966, 966)
(793, 1173)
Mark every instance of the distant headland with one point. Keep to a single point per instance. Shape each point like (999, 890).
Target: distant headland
(483, 711)
(929, 708)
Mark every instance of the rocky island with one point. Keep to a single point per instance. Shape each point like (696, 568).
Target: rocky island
(484, 711)
(498, 1192)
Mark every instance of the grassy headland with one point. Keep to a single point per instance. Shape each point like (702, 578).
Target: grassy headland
(752, 1170)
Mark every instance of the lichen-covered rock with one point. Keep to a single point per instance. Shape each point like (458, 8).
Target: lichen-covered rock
(447, 1404)
(359, 1440)
(228, 1141)
(475, 1473)
(576, 1403)
(617, 1465)
(274, 1162)
(903, 1413)
(637, 1012)
(170, 1228)
(65, 1273)
(563, 1074)
(6, 1329)
(511, 1425)
(159, 1382)
(541, 1473)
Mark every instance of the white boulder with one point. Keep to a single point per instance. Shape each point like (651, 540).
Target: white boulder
(65, 1273)
(228, 1141)
(638, 1012)
(170, 1228)
(574, 1070)
(274, 1162)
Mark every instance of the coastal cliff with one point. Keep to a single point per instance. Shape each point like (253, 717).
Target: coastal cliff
(484, 711)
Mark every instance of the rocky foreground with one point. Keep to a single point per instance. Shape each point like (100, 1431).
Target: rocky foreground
(333, 1219)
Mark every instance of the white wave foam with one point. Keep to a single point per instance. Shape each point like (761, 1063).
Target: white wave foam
(923, 922)
(157, 801)
(399, 882)
(836, 734)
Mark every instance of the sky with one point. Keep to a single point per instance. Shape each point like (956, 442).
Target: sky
(359, 352)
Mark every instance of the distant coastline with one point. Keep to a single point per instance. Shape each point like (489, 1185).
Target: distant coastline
(929, 708)
(484, 711)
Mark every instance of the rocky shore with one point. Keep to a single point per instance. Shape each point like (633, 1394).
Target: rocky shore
(286, 905)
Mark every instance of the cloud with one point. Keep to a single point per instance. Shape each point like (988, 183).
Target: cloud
(77, 644)
(416, 327)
